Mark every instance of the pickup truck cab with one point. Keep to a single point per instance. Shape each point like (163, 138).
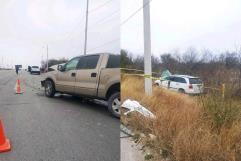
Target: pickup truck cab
(93, 76)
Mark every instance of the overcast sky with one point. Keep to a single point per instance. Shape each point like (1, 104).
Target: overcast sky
(180, 24)
(27, 26)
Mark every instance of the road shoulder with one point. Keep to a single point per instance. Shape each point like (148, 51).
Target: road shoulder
(130, 151)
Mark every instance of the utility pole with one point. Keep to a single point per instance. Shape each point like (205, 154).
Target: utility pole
(42, 59)
(2, 63)
(147, 46)
(47, 58)
(86, 27)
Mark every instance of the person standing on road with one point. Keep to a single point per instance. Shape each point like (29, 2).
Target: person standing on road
(17, 69)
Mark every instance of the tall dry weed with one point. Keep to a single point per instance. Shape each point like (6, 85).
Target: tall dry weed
(186, 128)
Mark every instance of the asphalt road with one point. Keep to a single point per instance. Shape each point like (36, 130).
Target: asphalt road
(58, 129)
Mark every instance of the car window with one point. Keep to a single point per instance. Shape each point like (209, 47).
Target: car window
(175, 79)
(113, 61)
(179, 80)
(170, 78)
(195, 81)
(71, 65)
(167, 78)
(88, 62)
(35, 67)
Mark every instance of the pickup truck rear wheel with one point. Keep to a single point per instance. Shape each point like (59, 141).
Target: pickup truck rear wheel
(114, 104)
(49, 88)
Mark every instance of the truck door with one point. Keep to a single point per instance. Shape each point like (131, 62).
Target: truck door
(87, 75)
(65, 80)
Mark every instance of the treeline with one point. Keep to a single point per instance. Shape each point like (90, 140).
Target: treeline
(214, 69)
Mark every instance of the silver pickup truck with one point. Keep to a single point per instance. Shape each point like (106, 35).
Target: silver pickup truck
(93, 76)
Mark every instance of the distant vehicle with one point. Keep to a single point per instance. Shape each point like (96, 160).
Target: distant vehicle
(182, 83)
(35, 70)
(29, 68)
(91, 76)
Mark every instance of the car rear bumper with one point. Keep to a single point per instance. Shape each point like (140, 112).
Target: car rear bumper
(38, 72)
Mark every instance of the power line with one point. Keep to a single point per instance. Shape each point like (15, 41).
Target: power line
(105, 19)
(68, 35)
(104, 44)
(101, 21)
(108, 27)
(98, 22)
(134, 13)
(100, 6)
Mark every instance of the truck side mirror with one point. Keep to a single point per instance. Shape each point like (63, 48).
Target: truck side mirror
(60, 68)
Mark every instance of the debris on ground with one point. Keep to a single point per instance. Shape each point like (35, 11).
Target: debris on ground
(136, 106)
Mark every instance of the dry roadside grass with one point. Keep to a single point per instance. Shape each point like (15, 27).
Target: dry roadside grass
(186, 128)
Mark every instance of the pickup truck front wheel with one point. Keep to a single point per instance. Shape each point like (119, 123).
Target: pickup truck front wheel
(114, 104)
(49, 88)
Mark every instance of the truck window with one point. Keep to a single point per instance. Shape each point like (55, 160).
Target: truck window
(88, 62)
(113, 61)
(71, 65)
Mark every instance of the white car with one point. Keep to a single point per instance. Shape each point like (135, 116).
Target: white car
(35, 70)
(182, 83)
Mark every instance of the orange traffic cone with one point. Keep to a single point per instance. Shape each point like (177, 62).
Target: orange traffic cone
(18, 88)
(4, 142)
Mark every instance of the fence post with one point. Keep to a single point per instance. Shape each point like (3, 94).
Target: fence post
(223, 90)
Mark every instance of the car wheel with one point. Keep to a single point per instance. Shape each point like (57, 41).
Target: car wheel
(181, 91)
(49, 88)
(114, 104)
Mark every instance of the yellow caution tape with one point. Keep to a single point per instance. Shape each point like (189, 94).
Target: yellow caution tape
(127, 69)
(143, 75)
(147, 76)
